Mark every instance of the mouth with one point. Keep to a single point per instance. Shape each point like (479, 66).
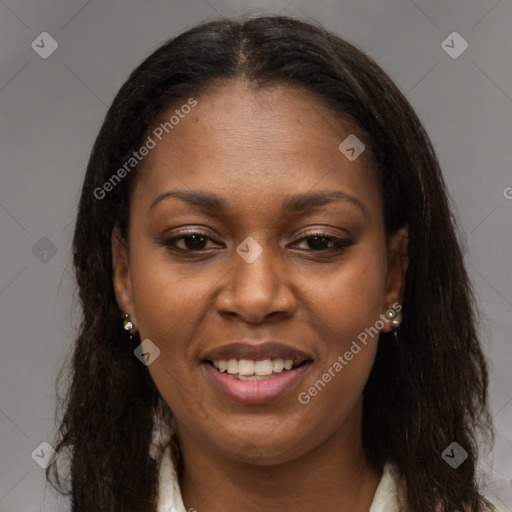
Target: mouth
(255, 370)
(255, 374)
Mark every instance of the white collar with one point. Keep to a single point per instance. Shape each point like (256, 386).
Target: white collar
(386, 497)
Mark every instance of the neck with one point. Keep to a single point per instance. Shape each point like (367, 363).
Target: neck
(333, 476)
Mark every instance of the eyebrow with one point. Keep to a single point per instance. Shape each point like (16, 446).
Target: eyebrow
(294, 204)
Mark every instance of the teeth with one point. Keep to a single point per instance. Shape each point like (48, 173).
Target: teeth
(232, 366)
(277, 365)
(263, 367)
(247, 367)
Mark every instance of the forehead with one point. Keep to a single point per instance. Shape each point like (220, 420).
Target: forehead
(243, 143)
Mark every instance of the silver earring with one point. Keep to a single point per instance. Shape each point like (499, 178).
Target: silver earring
(390, 313)
(395, 318)
(128, 326)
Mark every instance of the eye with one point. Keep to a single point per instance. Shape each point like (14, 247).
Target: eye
(319, 241)
(193, 241)
(197, 242)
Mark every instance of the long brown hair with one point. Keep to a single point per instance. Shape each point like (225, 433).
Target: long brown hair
(425, 392)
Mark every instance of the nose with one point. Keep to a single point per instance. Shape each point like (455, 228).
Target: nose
(256, 291)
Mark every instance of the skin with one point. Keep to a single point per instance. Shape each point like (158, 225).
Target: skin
(255, 149)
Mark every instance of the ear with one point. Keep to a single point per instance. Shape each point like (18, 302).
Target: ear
(398, 262)
(121, 275)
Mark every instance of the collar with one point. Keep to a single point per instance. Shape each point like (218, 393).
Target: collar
(386, 497)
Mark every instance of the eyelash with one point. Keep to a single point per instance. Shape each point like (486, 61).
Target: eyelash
(339, 243)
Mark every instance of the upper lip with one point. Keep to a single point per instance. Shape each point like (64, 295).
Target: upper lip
(256, 351)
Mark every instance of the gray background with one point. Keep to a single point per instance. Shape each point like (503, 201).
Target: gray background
(51, 110)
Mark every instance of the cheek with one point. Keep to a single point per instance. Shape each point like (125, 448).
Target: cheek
(171, 301)
(334, 391)
(346, 309)
(348, 300)
(166, 295)
(167, 301)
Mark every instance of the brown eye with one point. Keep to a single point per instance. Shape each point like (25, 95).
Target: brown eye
(190, 242)
(318, 243)
(323, 242)
(193, 242)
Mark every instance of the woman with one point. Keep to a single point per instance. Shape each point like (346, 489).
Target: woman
(276, 311)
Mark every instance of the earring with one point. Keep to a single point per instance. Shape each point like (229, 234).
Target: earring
(396, 320)
(128, 326)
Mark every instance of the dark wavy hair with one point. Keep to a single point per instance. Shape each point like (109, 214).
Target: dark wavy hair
(423, 393)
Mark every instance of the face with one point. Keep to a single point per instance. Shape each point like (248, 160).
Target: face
(289, 245)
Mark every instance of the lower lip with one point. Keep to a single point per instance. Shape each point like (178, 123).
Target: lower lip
(256, 391)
